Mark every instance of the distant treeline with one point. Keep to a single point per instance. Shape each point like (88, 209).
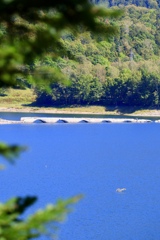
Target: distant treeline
(138, 88)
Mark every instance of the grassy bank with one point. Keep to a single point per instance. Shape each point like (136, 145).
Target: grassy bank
(18, 100)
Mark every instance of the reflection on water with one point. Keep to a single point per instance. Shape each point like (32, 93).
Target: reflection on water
(93, 159)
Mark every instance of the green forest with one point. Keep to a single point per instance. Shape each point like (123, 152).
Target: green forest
(118, 70)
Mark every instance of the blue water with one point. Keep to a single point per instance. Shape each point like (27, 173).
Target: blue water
(94, 159)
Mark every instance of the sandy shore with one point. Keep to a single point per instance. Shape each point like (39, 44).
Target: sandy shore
(83, 110)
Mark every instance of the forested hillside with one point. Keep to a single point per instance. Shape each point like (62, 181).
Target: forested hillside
(122, 70)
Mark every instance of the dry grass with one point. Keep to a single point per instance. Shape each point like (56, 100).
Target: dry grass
(16, 100)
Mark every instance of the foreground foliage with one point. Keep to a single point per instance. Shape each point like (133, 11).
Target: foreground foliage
(43, 223)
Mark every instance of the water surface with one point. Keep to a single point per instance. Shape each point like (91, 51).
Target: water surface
(94, 159)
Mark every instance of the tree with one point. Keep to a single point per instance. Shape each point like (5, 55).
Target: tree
(34, 27)
(29, 29)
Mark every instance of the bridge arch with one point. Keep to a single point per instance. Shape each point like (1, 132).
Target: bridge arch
(38, 120)
(62, 121)
(83, 121)
(127, 121)
(106, 121)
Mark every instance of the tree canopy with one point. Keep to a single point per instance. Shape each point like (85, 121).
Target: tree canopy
(32, 28)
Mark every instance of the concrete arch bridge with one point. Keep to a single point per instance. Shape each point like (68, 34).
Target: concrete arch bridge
(81, 120)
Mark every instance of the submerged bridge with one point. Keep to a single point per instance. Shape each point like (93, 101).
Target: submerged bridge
(81, 120)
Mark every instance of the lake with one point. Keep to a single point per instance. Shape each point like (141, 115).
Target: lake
(94, 159)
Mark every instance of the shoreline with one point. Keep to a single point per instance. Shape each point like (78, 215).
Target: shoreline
(82, 110)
